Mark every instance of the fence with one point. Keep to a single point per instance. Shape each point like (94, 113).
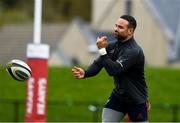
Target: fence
(13, 110)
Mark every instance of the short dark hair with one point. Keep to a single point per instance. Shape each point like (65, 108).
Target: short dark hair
(131, 20)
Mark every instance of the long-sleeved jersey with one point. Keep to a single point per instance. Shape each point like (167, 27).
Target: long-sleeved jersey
(125, 62)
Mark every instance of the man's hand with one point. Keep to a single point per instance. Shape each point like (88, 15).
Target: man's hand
(78, 72)
(148, 104)
(101, 42)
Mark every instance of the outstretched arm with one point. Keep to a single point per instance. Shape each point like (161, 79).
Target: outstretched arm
(95, 67)
(92, 70)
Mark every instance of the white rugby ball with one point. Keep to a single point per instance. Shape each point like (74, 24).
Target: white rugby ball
(18, 69)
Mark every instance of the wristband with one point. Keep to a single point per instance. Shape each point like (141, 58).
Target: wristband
(102, 51)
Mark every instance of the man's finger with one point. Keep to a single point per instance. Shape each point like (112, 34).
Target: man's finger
(77, 76)
(76, 72)
(104, 38)
(73, 70)
(77, 68)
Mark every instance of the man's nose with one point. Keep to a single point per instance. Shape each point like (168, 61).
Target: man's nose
(115, 28)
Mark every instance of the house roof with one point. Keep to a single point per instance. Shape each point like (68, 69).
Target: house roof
(167, 13)
(14, 39)
(91, 34)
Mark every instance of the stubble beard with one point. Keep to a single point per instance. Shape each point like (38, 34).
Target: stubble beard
(120, 37)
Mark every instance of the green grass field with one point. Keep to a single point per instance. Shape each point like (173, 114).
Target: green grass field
(163, 86)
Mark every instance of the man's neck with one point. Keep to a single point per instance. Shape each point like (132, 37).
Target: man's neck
(127, 39)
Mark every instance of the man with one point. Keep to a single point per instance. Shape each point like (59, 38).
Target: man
(124, 60)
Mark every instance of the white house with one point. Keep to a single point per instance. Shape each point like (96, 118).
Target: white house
(155, 32)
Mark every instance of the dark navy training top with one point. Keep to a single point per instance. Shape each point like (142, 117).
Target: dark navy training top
(125, 62)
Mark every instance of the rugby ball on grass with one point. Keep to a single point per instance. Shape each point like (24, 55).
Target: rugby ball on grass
(18, 69)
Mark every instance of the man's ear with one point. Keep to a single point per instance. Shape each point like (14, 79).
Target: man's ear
(130, 31)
